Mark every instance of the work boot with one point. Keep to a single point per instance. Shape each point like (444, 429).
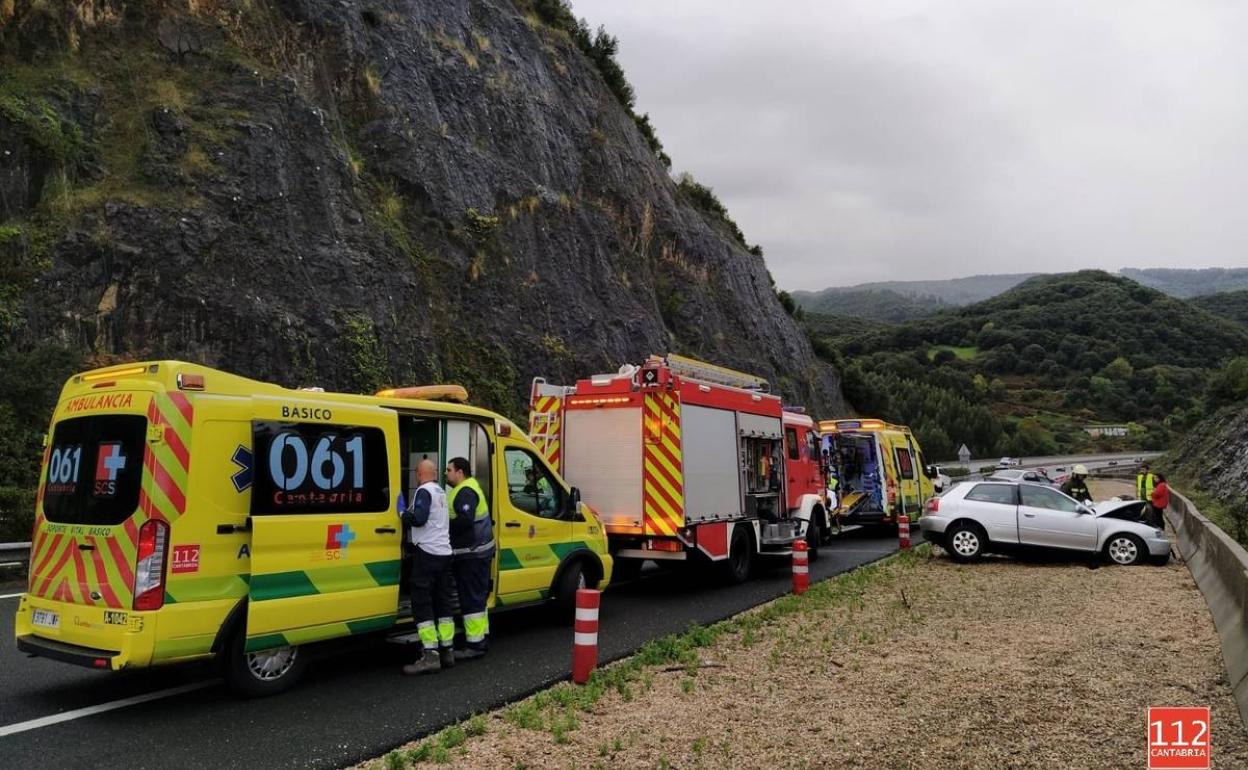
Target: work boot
(446, 656)
(427, 663)
(469, 654)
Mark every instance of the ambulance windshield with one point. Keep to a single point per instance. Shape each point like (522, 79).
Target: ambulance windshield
(94, 469)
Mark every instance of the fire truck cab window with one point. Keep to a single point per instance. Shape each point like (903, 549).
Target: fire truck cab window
(790, 439)
(531, 487)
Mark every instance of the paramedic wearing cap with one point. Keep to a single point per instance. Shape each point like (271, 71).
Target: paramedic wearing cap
(472, 541)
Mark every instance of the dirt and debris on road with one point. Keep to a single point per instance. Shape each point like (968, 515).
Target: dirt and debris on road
(914, 663)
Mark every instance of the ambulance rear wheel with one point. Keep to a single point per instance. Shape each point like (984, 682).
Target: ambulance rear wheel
(736, 568)
(263, 673)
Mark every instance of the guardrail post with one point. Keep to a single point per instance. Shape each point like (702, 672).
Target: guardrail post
(903, 531)
(801, 567)
(585, 634)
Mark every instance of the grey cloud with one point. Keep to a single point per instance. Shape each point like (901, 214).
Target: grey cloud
(880, 139)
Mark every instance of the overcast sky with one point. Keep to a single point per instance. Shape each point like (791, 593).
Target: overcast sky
(863, 140)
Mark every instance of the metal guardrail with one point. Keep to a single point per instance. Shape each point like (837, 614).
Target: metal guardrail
(14, 554)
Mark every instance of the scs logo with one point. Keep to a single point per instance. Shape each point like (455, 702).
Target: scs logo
(109, 463)
(337, 538)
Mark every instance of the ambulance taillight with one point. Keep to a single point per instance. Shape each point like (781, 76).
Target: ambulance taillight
(149, 568)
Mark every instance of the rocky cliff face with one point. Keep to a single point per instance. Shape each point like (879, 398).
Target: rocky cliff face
(1212, 460)
(355, 194)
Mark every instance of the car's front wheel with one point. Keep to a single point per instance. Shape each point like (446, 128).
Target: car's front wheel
(964, 541)
(1126, 550)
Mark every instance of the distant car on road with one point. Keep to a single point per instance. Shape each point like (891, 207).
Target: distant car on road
(1006, 517)
(1005, 462)
(1112, 462)
(1034, 475)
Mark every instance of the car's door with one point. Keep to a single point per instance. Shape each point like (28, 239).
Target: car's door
(995, 507)
(325, 534)
(1049, 518)
(534, 531)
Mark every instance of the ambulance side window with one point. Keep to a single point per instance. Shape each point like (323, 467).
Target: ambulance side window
(319, 468)
(531, 487)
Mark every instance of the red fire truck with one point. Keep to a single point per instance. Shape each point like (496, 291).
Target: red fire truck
(684, 460)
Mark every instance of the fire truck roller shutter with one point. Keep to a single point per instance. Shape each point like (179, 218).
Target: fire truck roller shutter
(712, 466)
(759, 426)
(602, 457)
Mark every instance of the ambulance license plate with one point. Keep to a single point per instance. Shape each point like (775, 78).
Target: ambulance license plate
(45, 618)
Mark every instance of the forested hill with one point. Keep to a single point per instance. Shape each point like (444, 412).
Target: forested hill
(1231, 305)
(1026, 371)
(352, 195)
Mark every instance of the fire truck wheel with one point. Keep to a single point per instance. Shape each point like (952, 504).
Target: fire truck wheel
(626, 569)
(814, 535)
(267, 672)
(736, 568)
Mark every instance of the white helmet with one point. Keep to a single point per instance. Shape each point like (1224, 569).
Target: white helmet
(1080, 470)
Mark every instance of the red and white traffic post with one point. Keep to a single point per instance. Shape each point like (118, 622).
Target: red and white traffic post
(903, 531)
(585, 634)
(801, 567)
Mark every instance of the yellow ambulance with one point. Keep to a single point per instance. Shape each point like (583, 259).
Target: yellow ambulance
(187, 513)
(879, 469)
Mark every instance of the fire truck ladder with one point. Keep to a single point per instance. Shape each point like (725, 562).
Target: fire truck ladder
(700, 370)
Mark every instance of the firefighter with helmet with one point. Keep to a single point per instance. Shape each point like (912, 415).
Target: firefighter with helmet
(1077, 485)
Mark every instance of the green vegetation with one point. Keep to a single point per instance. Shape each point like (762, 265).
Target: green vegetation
(937, 354)
(1023, 373)
(1231, 305)
(1184, 282)
(873, 304)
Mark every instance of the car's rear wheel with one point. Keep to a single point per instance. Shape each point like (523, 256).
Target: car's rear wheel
(1126, 550)
(263, 672)
(964, 541)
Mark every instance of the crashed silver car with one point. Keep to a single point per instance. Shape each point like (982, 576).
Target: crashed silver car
(978, 517)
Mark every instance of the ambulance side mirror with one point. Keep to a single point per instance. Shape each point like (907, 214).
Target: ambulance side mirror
(572, 505)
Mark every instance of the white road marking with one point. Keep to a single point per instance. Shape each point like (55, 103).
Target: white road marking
(35, 724)
(12, 596)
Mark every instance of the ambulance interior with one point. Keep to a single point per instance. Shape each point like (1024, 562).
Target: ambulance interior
(857, 463)
(439, 440)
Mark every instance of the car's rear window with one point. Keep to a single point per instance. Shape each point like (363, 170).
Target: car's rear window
(94, 470)
(1002, 494)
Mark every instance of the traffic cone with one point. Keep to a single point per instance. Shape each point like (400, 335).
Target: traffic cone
(801, 567)
(585, 634)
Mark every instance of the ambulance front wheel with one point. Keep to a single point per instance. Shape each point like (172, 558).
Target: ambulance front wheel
(265, 672)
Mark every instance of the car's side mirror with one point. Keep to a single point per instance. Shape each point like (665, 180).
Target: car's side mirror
(572, 505)
(1085, 510)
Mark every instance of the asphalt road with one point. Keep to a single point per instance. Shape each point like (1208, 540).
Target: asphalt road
(353, 703)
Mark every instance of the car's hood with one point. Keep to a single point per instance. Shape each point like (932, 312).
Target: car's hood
(1113, 504)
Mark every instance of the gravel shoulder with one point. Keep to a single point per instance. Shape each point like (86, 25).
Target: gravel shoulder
(916, 662)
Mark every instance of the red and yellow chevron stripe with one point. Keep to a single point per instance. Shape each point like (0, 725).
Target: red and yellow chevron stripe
(663, 486)
(63, 572)
(545, 427)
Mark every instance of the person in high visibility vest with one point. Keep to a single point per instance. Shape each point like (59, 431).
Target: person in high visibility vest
(433, 587)
(1144, 483)
(472, 543)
